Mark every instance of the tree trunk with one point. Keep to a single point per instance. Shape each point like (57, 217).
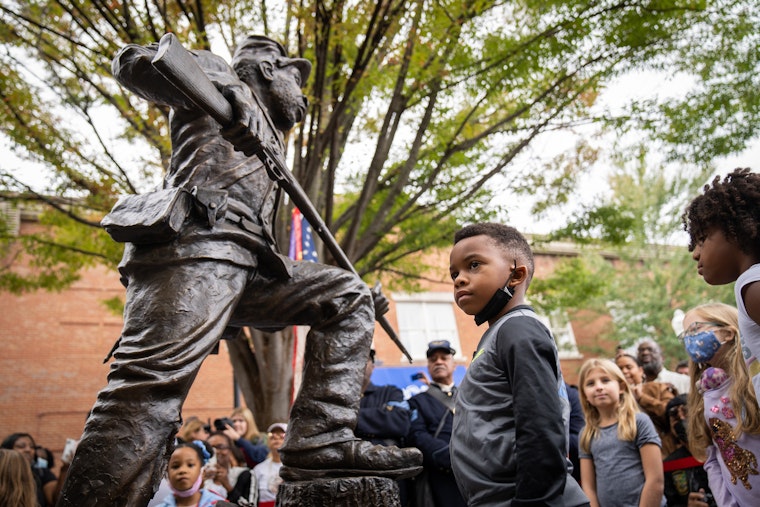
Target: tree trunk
(263, 368)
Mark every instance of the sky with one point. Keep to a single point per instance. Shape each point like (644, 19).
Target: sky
(640, 85)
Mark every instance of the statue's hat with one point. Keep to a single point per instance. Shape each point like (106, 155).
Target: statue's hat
(256, 48)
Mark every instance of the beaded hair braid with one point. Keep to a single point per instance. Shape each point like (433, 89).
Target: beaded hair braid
(732, 206)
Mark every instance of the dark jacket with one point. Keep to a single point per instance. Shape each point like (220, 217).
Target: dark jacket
(253, 453)
(683, 475)
(510, 440)
(427, 413)
(577, 422)
(383, 415)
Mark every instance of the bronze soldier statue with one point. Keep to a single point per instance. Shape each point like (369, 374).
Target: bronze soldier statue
(200, 259)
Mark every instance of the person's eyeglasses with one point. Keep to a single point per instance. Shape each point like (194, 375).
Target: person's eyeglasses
(696, 327)
(221, 447)
(278, 434)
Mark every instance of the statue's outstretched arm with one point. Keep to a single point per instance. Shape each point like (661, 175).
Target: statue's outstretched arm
(132, 68)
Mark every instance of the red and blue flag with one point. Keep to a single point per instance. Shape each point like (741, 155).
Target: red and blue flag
(301, 240)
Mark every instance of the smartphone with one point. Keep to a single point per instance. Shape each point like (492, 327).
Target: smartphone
(68, 450)
(418, 376)
(221, 424)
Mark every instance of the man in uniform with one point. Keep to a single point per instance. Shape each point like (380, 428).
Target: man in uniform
(432, 421)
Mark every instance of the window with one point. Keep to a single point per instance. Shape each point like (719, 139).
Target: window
(558, 323)
(425, 317)
(10, 218)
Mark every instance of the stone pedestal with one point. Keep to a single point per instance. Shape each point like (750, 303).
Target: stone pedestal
(367, 491)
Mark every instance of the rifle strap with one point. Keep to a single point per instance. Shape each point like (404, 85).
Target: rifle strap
(447, 400)
(440, 424)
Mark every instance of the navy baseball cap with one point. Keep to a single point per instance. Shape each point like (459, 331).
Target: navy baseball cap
(440, 345)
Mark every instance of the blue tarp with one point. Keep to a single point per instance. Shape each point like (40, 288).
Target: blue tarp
(401, 377)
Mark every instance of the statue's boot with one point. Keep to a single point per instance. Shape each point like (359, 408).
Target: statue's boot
(350, 459)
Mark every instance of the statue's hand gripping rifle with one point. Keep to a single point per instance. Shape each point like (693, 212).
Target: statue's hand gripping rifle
(179, 67)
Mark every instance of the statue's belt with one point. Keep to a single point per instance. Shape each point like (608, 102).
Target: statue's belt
(159, 216)
(247, 225)
(266, 246)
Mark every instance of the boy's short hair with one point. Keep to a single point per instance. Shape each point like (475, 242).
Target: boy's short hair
(508, 238)
(731, 205)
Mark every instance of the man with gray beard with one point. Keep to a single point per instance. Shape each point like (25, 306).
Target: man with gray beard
(650, 357)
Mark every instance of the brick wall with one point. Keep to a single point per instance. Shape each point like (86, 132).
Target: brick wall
(51, 368)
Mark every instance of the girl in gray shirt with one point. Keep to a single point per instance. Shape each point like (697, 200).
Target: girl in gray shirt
(621, 463)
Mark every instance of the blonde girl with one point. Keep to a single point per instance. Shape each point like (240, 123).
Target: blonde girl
(727, 436)
(193, 429)
(621, 464)
(17, 486)
(245, 435)
(245, 425)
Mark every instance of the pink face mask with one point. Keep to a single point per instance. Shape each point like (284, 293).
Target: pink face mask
(188, 492)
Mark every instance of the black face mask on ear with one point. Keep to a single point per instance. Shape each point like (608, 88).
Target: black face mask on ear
(680, 429)
(497, 302)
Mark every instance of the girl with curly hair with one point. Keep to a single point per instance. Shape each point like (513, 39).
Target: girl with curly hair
(724, 229)
(185, 472)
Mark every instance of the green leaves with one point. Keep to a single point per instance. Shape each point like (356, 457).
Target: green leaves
(631, 265)
(577, 283)
(52, 256)
(419, 112)
(719, 115)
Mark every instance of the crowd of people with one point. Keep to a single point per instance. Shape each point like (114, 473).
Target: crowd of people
(660, 447)
(227, 461)
(30, 481)
(235, 463)
(650, 437)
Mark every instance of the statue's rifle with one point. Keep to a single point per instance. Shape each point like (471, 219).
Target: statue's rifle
(179, 67)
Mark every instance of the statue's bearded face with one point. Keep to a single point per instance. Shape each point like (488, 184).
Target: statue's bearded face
(287, 104)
